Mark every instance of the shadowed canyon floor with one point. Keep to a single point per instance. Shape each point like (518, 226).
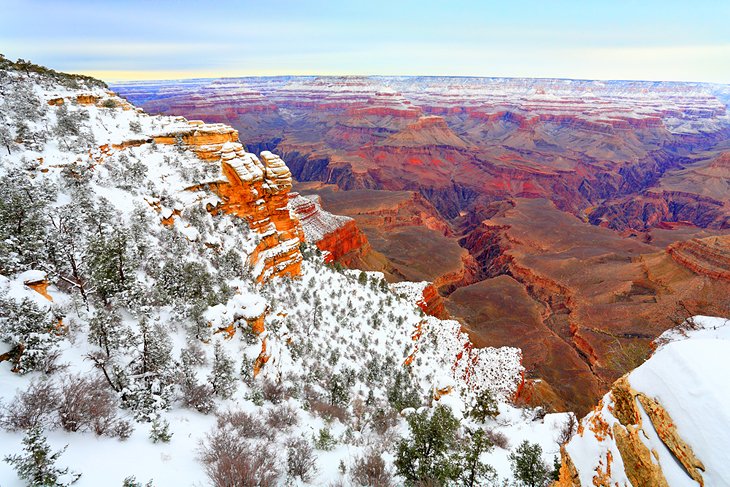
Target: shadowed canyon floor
(574, 219)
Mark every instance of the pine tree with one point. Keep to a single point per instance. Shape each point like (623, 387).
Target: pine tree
(110, 263)
(6, 139)
(473, 471)
(485, 406)
(528, 466)
(37, 466)
(156, 356)
(160, 432)
(23, 231)
(222, 376)
(30, 331)
(429, 454)
(66, 124)
(106, 331)
(66, 249)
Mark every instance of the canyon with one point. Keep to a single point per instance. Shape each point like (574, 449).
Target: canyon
(575, 220)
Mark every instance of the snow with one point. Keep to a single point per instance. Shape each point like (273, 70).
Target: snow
(689, 379)
(31, 276)
(687, 376)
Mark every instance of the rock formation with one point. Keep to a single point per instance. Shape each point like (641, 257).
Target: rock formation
(664, 423)
(337, 236)
(708, 256)
(253, 190)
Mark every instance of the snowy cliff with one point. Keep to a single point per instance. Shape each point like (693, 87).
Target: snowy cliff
(665, 423)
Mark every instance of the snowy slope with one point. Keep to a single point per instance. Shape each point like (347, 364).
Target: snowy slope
(101, 183)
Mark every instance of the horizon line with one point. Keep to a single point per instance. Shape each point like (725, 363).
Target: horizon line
(96, 74)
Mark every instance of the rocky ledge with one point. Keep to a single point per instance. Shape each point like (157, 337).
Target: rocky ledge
(662, 424)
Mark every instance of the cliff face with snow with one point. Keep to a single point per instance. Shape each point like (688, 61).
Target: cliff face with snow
(665, 423)
(157, 256)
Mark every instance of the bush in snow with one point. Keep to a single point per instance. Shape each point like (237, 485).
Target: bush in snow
(370, 470)
(222, 376)
(244, 424)
(402, 393)
(160, 431)
(38, 465)
(228, 461)
(497, 438)
(23, 231)
(301, 462)
(195, 395)
(31, 332)
(282, 417)
(528, 467)
(87, 404)
(485, 406)
(474, 473)
(273, 391)
(32, 408)
(324, 440)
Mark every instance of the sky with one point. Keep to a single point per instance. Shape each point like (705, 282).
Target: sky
(685, 40)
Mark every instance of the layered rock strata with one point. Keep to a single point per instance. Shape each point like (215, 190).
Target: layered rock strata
(254, 189)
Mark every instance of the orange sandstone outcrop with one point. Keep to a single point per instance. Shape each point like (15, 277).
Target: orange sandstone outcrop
(617, 427)
(432, 302)
(254, 189)
(258, 192)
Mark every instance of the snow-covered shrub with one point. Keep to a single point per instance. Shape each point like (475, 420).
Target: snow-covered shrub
(222, 377)
(32, 333)
(160, 431)
(228, 460)
(246, 425)
(429, 453)
(473, 472)
(273, 391)
(324, 440)
(370, 470)
(282, 417)
(497, 438)
(528, 467)
(485, 406)
(23, 229)
(301, 461)
(87, 404)
(34, 407)
(402, 392)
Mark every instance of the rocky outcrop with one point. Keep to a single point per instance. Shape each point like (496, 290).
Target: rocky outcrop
(655, 208)
(426, 131)
(432, 303)
(338, 236)
(707, 256)
(204, 139)
(658, 426)
(254, 189)
(259, 193)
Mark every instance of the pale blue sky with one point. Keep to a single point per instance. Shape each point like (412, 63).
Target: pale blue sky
(612, 39)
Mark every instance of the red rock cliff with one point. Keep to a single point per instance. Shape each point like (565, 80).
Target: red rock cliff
(255, 190)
